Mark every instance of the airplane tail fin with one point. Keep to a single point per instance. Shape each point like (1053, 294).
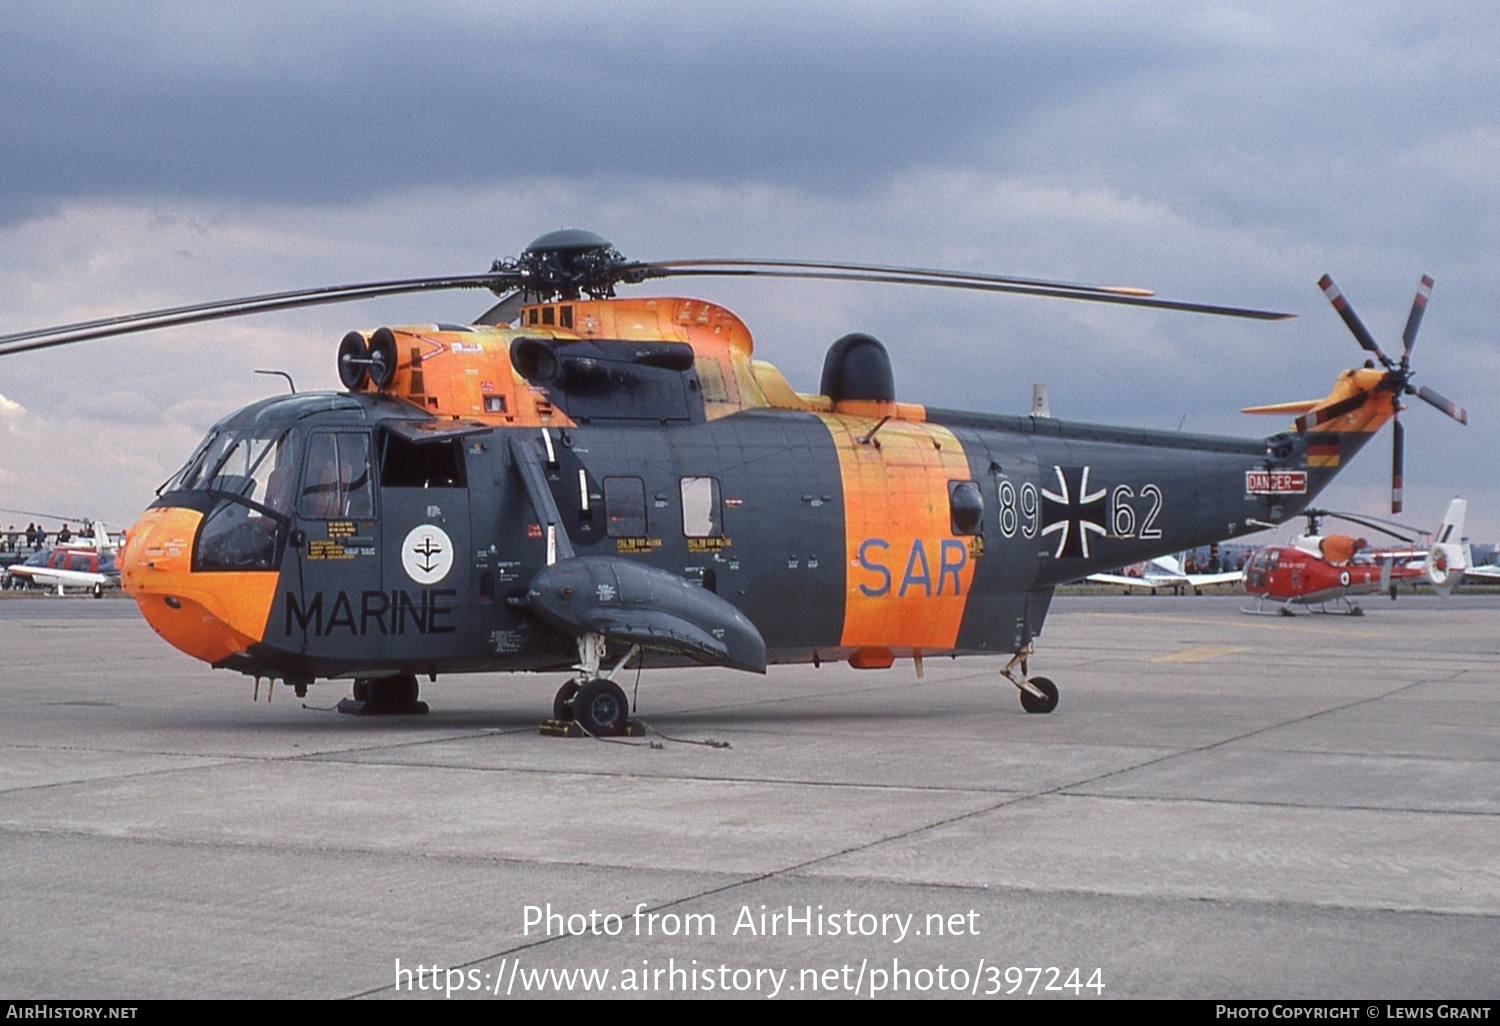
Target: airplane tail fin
(102, 544)
(1449, 558)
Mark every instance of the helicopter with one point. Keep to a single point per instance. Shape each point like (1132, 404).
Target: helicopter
(86, 564)
(1320, 572)
(580, 482)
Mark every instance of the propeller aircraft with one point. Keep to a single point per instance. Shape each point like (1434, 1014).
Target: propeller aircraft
(1166, 572)
(1316, 570)
(582, 483)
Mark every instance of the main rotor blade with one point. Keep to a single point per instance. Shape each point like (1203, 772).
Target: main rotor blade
(665, 268)
(1414, 319)
(1374, 524)
(1361, 333)
(1448, 406)
(45, 516)
(1398, 460)
(1056, 292)
(45, 338)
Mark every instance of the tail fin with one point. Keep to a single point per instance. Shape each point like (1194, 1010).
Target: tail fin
(1448, 559)
(102, 544)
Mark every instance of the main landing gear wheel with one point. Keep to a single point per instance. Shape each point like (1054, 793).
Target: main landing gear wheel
(562, 705)
(1032, 704)
(385, 696)
(601, 708)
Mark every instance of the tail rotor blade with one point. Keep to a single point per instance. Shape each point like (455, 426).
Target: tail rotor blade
(1357, 326)
(1398, 459)
(1414, 320)
(1448, 406)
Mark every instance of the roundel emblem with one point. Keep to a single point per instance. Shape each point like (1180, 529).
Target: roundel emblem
(1344, 578)
(427, 554)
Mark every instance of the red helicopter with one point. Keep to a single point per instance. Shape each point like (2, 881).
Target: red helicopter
(1321, 572)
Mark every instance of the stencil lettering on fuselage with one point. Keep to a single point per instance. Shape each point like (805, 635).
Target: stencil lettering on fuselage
(908, 575)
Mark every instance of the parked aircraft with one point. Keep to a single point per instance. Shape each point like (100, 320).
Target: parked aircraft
(1166, 572)
(1321, 572)
(84, 566)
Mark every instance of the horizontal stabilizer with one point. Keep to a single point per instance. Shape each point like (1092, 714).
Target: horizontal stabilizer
(1294, 408)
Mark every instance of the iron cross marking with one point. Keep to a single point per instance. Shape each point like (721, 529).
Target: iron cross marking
(1073, 512)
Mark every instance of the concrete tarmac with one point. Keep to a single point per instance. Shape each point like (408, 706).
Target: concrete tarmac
(1222, 806)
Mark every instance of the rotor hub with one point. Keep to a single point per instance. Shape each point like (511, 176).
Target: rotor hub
(566, 264)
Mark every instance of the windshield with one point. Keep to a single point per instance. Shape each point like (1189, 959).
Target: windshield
(250, 464)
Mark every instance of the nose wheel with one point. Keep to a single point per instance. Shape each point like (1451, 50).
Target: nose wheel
(385, 696)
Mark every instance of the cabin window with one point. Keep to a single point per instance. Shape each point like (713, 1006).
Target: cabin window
(625, 507)
(702, 513)
(336, 481)
(437, 464)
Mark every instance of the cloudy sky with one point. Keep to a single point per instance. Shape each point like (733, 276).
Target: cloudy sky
(154, 154)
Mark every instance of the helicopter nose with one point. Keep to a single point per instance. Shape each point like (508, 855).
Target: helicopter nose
(209, 615)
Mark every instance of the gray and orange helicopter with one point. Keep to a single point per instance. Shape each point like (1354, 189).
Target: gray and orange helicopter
(579, 482)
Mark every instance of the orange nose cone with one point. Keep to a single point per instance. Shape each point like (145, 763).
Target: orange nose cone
(209, 615)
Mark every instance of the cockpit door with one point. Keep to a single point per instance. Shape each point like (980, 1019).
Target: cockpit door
(340, 608)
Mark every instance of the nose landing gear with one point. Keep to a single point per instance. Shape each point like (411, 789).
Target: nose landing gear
(384, 696)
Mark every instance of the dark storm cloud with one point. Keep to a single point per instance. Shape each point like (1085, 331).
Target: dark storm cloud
(342, 102)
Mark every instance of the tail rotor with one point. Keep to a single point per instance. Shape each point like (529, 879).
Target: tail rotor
(1397, 380)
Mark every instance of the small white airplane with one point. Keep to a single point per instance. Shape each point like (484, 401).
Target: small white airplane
(1487, 573)
(1167, 572)
(86, 566)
